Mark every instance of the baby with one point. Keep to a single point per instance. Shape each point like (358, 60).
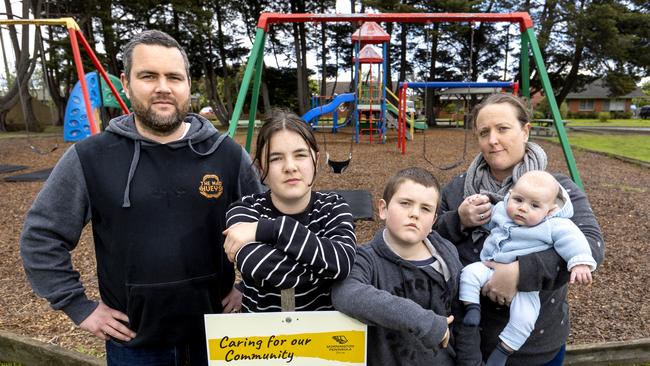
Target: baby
(534, 216)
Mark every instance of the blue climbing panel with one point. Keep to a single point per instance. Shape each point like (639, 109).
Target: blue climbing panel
(75, 124)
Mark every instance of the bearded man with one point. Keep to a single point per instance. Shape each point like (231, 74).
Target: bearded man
(156, 185)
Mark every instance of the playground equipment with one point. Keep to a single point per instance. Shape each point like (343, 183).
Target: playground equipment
(332, 107)
(369, 96)
(77, 36)
(528, 45)
(370, 109)
(76, 125)
(403, 86)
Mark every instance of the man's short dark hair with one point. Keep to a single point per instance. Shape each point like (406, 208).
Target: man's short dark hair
(154, 38)
(414, 174)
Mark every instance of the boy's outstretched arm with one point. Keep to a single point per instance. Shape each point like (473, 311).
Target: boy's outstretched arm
(358, 298)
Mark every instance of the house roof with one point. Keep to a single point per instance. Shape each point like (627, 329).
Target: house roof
(599, 90)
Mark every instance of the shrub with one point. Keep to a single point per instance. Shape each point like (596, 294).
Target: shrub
(603, 116)
(544, 110)
(621, 114)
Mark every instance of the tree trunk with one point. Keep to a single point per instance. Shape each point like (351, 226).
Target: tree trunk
(323, 39)
(428, 93)
(213, 95)
(54, 85)
(110, 39)
(305, 76)
(572, 77)
(19, 90)
(266, 100)
(336, 73)
(389, 77)
(300, 49)
(227, 83)
(402, 53)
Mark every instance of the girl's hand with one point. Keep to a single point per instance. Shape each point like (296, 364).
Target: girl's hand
(445, 340)
(475, 210)
(502, 287)
(581, 273)
(237, 236)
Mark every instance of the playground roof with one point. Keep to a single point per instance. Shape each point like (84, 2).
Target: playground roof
(370, 32)
(369, 55)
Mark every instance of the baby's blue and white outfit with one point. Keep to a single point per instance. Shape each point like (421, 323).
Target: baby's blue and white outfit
(506, 242)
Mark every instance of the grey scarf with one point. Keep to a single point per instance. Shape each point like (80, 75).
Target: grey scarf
(479, 179)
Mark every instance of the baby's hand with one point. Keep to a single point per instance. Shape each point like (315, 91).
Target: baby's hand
(581, 274)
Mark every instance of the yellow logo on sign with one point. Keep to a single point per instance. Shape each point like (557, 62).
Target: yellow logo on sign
(211, 186)
(344, 346)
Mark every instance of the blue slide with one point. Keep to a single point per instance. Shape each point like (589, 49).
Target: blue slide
(329, 107)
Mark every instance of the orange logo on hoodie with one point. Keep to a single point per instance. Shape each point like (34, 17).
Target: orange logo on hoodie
(211, 186)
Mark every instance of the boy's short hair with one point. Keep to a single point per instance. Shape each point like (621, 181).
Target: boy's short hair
(415, 174)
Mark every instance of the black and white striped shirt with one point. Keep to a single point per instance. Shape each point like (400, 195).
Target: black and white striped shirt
(306, 251)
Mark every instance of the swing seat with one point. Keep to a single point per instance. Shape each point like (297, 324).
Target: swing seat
(360, 202)
(338, 167)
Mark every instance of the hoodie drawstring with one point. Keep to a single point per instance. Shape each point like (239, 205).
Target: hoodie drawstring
(134, 164)
(212, 148)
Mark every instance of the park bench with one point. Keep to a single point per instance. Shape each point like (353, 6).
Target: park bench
(544, 127)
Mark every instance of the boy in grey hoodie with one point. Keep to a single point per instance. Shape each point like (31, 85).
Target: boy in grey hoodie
(404, 283)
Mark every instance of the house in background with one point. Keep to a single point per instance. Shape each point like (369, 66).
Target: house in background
(596, 98)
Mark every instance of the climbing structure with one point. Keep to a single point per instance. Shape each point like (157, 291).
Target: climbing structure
(370, 109)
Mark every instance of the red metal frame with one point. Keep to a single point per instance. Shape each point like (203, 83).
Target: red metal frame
(82, 80)
(524, 19)
(102, 72)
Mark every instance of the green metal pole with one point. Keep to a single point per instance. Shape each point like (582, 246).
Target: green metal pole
(257, 51)
(254, 98)
(557, 118)
(524, 66)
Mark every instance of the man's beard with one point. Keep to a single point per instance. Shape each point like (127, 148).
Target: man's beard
(160, 124)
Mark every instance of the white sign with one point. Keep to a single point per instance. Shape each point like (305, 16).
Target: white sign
(310, 338)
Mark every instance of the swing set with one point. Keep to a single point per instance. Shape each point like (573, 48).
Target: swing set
(528, 40)
(76, 37)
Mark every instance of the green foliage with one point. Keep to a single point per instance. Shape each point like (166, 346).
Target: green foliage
(282, 84)
(645, 87)
(543, 109)
(450, 108)
(604, 116)
(582, 114)
(621, 114)
(619, 83)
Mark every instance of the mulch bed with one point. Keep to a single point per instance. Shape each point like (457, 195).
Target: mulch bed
(614, 308)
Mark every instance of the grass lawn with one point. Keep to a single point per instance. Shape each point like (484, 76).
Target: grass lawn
(629, 146)
(610, 123)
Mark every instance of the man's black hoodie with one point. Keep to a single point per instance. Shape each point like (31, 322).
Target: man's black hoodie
(157, 214)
